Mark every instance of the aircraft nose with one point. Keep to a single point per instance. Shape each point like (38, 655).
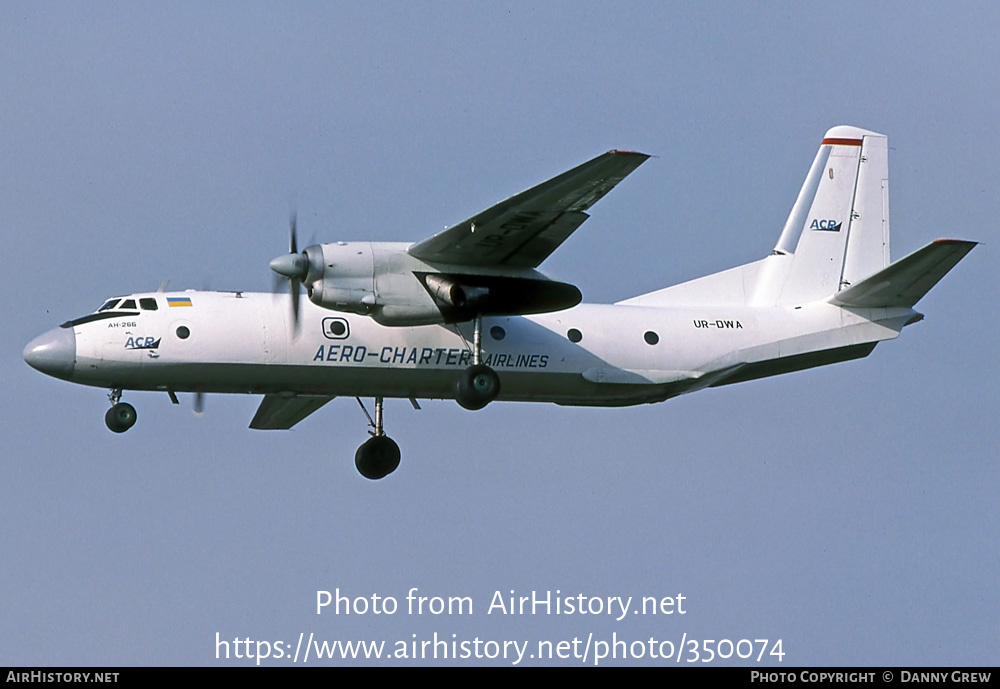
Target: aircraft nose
(53, 353)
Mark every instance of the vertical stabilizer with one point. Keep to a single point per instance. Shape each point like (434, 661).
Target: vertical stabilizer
(838, 230)
(868, 241)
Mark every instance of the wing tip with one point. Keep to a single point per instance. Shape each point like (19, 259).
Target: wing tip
(958, 242)
(627, 152)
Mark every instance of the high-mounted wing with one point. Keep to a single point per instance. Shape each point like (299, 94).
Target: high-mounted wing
(522, 231)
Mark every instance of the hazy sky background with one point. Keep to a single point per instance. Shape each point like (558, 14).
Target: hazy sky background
(850, 511)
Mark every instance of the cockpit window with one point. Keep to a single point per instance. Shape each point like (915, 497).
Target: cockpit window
(148, 304)
(128, 304)
(109, 304)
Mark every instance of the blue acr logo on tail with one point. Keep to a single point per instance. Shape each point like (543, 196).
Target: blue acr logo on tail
(826, 225)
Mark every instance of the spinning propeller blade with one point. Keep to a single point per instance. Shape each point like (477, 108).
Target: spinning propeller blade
(293, 266)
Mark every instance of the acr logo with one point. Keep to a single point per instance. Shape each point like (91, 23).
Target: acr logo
(142, 343)
(336, 328)
(826, 225)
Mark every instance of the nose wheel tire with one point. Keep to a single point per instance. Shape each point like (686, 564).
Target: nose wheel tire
(377, 457)
(120, 417)
(477, 386)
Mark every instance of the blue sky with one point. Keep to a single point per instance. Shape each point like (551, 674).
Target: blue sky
(850, 511)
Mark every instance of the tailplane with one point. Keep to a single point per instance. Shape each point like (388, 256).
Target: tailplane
(906, 281)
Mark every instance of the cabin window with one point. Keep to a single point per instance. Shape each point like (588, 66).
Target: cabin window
(574, 335)
(497, 333)
(183, 332)
(651, 338)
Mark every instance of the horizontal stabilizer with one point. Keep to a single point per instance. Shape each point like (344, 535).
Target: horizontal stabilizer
(278, 412)
(905, 282)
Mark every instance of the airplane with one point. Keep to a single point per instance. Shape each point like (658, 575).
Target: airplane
(467, 315)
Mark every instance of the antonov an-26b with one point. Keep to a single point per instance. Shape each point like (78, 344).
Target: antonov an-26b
(466, 314)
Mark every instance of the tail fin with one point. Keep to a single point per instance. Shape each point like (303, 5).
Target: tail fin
(838, 230)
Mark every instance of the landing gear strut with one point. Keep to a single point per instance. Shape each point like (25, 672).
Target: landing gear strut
(478, 385)
(379, 455)
(121, 416)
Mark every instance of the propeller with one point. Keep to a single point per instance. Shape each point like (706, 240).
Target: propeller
(293, 266)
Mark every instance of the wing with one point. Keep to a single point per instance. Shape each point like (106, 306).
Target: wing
(281, 413)
(522, 231)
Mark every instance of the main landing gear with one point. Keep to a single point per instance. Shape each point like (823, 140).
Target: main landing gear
(475, 387)
(121, 416)
(478, 385)
(379, 455)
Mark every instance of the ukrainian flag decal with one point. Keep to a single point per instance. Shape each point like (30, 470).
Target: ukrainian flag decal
(178, 301)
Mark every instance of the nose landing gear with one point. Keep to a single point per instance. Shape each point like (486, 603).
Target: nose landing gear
(121, 416)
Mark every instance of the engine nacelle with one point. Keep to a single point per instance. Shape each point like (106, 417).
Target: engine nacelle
(376, 279)
(343, 277)
(383, 281)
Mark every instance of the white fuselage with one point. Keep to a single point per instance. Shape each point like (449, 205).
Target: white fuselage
(236, 342)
